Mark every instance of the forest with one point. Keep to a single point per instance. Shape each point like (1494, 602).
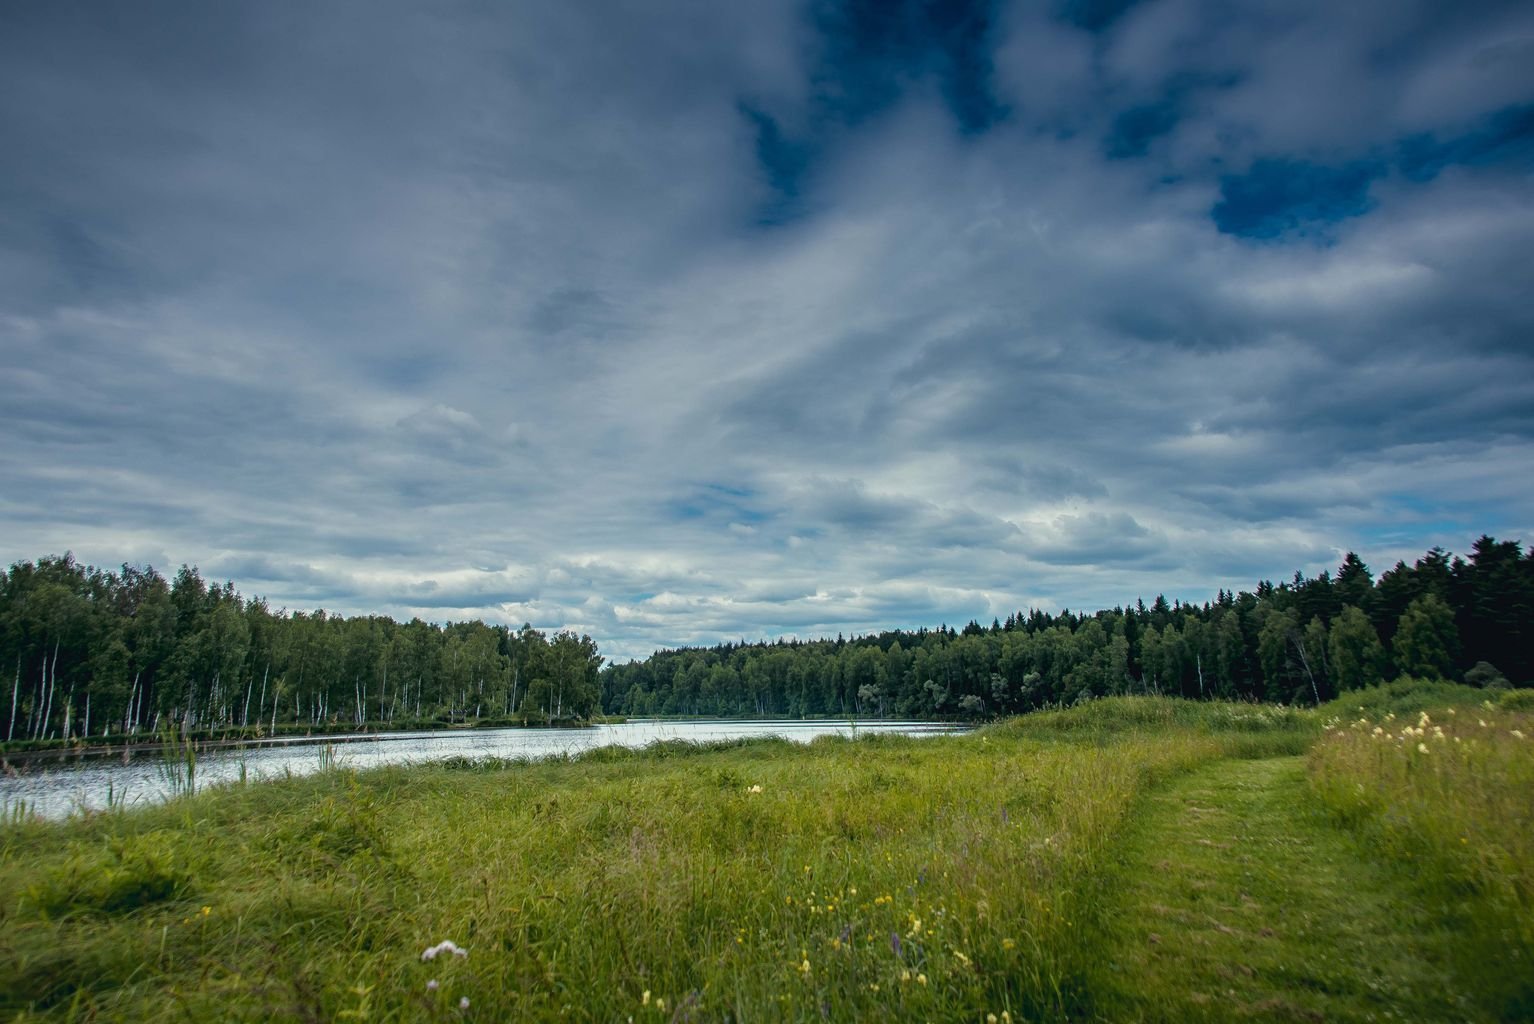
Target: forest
(101, 653)
(1302, 641)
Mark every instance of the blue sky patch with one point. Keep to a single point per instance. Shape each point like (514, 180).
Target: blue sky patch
(1280, 197)
(1506, 137)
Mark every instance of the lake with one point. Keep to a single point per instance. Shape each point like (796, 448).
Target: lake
(56, 789)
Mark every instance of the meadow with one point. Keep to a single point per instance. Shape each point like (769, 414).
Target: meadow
(1126, 859)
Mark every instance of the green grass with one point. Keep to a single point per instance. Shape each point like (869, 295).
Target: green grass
(1236, 900)
(948, 878)
(1448, 796)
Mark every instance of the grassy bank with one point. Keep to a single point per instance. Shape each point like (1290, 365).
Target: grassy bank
(1448, 796)
(949, 878)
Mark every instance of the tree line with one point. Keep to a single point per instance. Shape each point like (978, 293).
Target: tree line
(97, 653)
(102, 653)
(1301, 641)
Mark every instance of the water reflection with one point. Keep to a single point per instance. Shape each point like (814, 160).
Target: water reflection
(56, 789)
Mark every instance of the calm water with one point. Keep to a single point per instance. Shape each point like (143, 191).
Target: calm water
(56, 789)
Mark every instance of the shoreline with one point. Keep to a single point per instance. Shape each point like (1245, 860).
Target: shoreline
(16, 762)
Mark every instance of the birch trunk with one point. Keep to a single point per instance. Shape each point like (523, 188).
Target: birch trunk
(15, 696)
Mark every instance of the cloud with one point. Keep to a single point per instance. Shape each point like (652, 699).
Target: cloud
(677, 324)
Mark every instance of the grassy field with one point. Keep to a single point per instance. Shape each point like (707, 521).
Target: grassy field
(1016, 873)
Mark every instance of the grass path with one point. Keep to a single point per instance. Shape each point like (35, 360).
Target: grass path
(1237, 900)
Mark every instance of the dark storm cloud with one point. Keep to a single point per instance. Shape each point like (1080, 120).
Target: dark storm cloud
(676, 323)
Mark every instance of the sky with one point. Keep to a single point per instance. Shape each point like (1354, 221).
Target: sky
(676, 322)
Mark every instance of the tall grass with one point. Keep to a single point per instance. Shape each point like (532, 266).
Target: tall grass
(945, 878)
(949, 878)
(177, 765)
(1447, 794)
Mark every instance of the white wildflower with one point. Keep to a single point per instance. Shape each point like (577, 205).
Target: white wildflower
(445, 946)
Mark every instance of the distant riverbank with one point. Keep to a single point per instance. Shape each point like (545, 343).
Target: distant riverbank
(57, 783)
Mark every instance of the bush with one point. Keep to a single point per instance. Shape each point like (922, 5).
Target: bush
(1486, 676)
(1405, 695)
(1516, 700)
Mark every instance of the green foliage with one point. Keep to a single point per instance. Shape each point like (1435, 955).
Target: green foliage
(104, 656)
(130, 652)
(1427, 640)
(1485, 675)
(1357, 657)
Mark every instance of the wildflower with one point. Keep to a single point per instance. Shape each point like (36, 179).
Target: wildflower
(445, 946)
(1481, 722)
(644, 1000)
(1008, 944)
(804, 967)
(754, 789)
(990, 1018)
(1518, 734)
(1006, 1018)
(431, 986)
(873, 986)
(921, 979)
(206, 911)
(463, 1003)
(660, 1004)
(961, 958)
(905, 975)
(1422, 747)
